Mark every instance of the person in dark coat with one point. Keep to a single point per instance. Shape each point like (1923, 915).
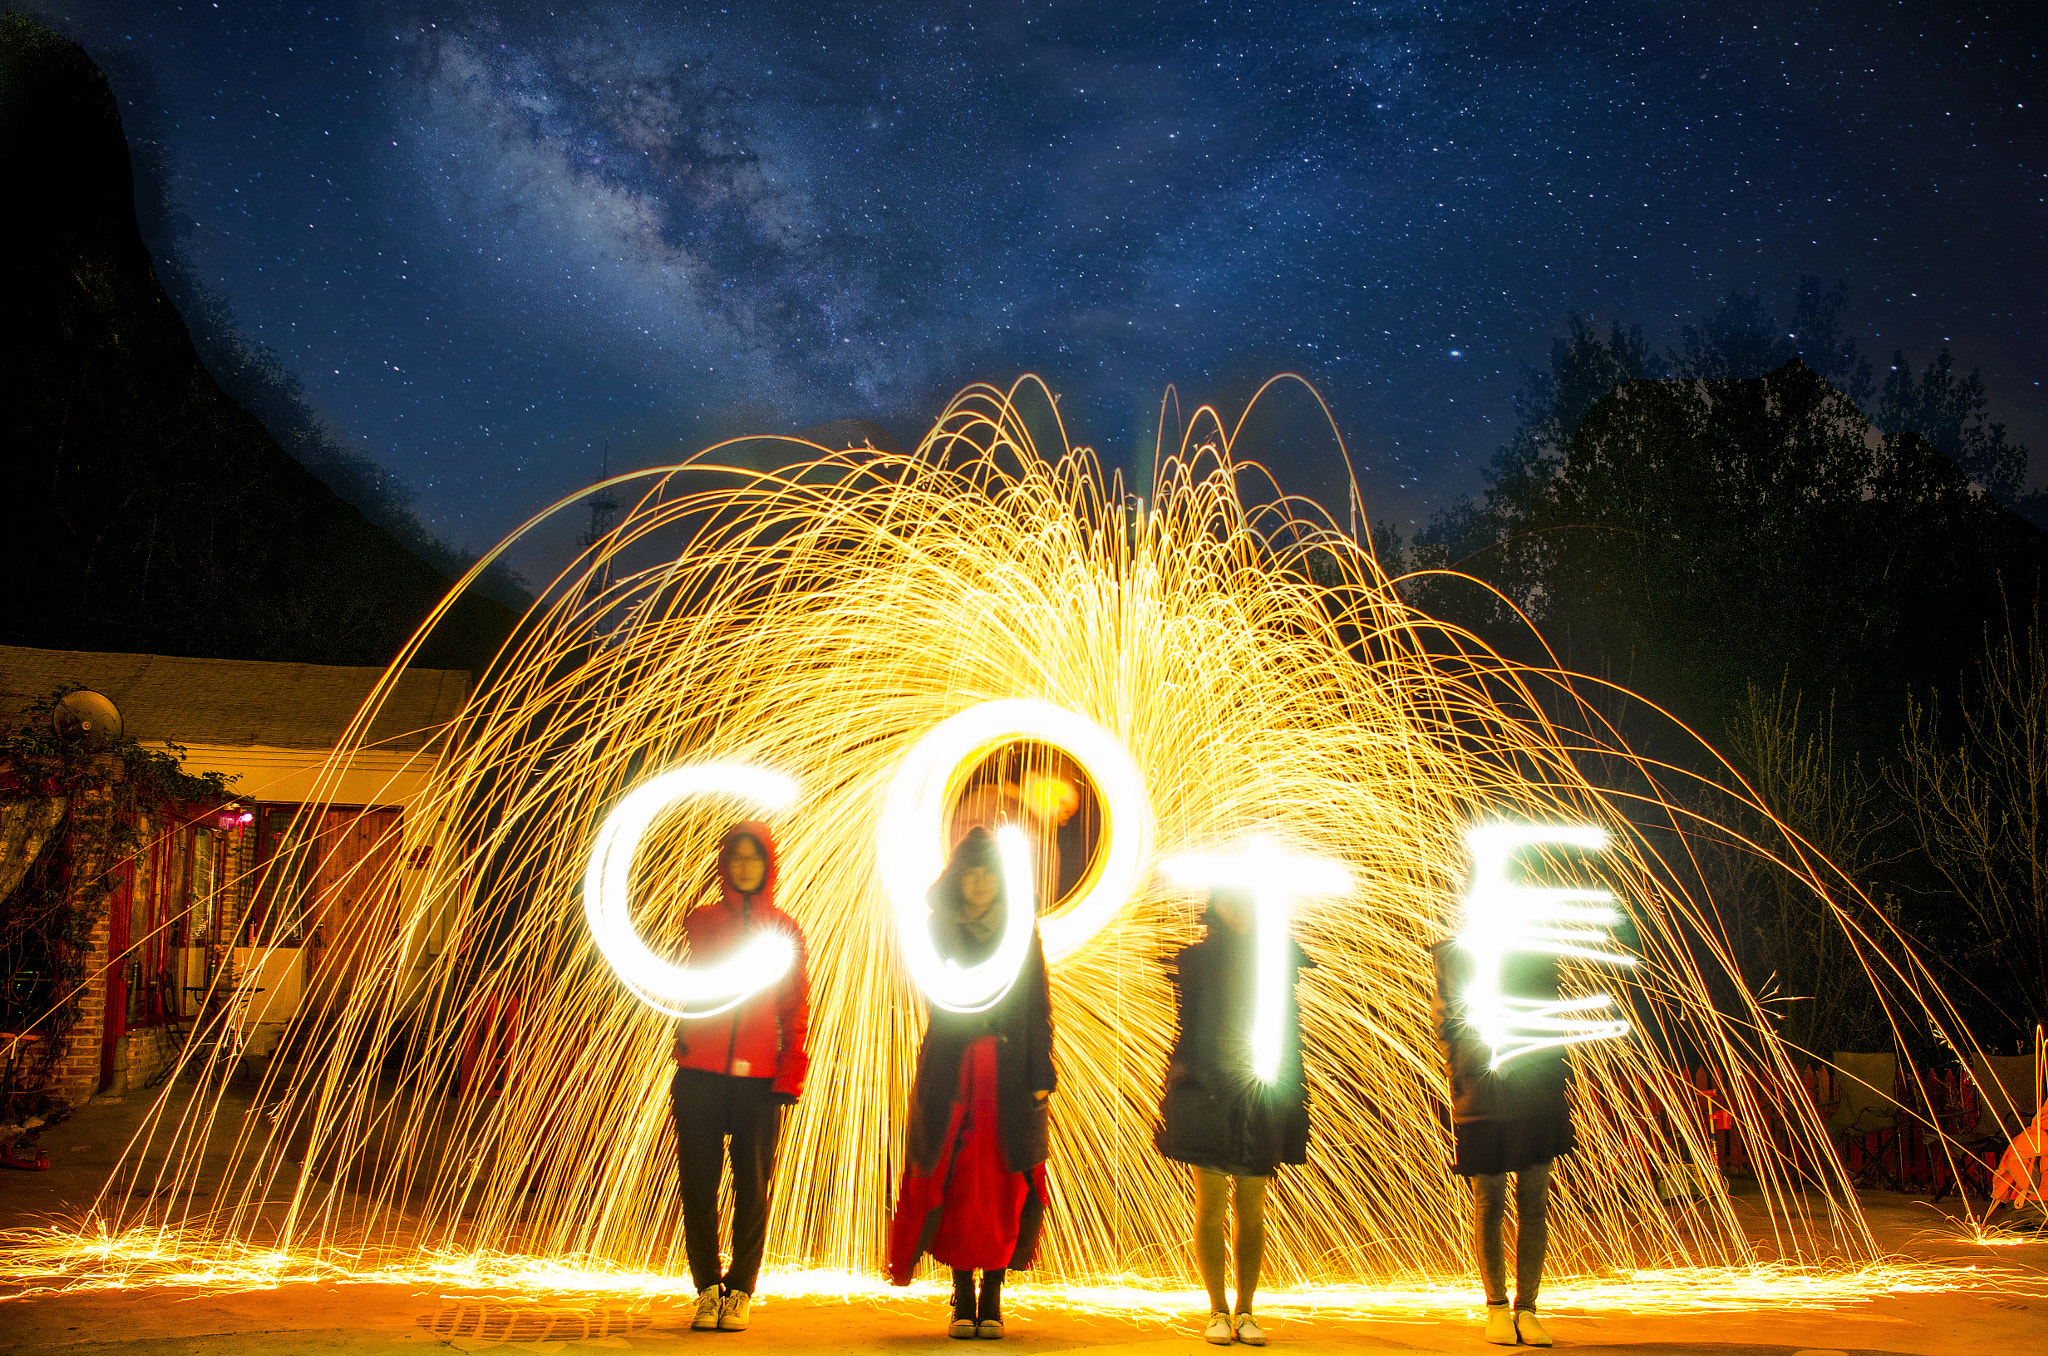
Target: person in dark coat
(1513, 1119)
(735, 1072)
(973, 1188)
(1217, 1115)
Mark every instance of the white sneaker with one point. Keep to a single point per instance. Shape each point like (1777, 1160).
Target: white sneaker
(1218, 1332)
(1248, 1332)
(1500, 1326)
(707, 1310)
(732, 1315)
(1529, 1328)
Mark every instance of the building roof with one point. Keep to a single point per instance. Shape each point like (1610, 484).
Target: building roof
(239, 702)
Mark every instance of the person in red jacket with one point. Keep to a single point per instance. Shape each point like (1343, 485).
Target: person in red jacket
(735, 1072)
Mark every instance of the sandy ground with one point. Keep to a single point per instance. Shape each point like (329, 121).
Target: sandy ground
(1989, 1315)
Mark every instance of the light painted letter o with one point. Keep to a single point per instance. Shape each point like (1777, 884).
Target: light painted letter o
(911, 836)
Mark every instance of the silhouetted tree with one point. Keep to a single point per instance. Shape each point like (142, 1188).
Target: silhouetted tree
(1730, 517)
(1973, 778)
(1953, 414)
(1690, 522)
(1790, 938)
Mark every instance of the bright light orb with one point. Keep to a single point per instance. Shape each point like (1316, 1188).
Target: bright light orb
(1276, 879)
(1501, 916)
(678, 990)
(910, 837)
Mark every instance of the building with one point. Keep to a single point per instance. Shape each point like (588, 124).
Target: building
(204, 890)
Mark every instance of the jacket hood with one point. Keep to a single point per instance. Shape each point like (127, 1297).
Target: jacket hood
(1212, 919)
(947, 902)
(976, 848)
(760, 833)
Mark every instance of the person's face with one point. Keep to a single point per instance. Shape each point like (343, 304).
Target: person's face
(977, 890)
(1235, 913)
(745, 866)
(1052, 798)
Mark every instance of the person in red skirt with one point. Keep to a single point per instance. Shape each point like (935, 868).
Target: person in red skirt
(973, 1189)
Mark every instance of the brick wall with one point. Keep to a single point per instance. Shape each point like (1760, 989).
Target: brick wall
(77, 1074)
(140, 1056)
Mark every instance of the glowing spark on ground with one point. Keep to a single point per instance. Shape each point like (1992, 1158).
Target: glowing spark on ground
(42, 1261)
(2004, 1235)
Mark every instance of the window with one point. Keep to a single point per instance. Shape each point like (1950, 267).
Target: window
(288, 859)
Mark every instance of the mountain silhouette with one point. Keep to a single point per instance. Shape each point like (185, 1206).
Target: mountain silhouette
(143, 509)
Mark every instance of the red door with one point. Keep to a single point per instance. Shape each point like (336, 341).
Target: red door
(116, 1012)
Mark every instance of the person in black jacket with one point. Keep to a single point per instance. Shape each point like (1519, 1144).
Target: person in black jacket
(973, 1188)
(1217, 1115)
(1513, 1119)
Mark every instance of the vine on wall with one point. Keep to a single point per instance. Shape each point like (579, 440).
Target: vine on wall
(69, 816)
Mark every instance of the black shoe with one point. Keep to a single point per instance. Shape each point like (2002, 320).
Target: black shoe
(989, 1311)
(963, 1305)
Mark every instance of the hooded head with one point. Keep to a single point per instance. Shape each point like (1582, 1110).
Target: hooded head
(948, 895)
(764, 841)
(1231, 912)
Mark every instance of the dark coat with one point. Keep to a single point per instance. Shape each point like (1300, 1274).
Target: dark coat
(1021, 1022)
(1530, 1086)
(1216, 1113)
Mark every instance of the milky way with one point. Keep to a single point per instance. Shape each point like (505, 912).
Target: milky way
(491, 239)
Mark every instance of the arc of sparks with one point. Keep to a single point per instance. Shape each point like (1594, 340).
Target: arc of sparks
(827, 615)
(910, 836)
(678, 990)
(1276, 878)
(1501, 916)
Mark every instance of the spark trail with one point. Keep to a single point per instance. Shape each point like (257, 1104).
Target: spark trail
(1263, 676)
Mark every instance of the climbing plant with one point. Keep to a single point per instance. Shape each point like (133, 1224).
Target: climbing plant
(70, 814)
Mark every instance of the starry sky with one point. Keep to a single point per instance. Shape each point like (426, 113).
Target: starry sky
(491, 239)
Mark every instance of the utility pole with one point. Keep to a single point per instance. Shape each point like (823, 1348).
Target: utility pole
(603, 507)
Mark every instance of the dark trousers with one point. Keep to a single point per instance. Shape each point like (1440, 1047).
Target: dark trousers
(708, 1107)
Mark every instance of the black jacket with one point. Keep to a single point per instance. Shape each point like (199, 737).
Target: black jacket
(1529, 1086)
(1021, 1022)
(1216, 1113)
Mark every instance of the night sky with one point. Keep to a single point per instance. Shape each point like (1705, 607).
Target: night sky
(488, 239)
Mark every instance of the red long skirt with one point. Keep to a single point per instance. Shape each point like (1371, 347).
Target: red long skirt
(967, 1212)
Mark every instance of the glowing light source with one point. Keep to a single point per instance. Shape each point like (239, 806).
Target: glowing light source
(679, 990)
(825, 616)
(910, 836)
(977, 988)
(1275, 879)
(1501, 916)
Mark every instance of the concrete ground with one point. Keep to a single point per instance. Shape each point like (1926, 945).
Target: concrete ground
(2007, 1312)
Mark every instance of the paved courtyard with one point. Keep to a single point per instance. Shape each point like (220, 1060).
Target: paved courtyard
(2002, 1307)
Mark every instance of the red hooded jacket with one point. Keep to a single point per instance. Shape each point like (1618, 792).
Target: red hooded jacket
(763, 1036)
